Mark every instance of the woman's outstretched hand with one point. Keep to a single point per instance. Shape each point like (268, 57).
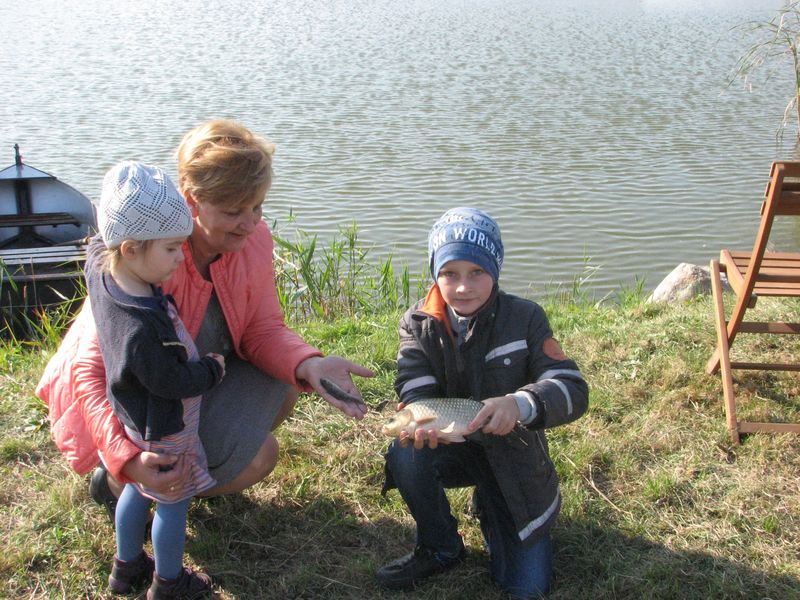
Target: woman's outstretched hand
(335, 370)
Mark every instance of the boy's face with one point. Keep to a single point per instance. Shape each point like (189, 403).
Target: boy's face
(465, 286)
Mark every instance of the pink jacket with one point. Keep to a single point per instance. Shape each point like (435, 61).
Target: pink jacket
(73, 383)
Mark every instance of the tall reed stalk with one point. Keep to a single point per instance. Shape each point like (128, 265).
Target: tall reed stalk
(776, 41)
(338, 280)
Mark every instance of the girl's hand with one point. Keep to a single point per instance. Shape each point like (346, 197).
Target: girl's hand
(220, 359)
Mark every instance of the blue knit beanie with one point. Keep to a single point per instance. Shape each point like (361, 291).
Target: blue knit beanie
(465, 234)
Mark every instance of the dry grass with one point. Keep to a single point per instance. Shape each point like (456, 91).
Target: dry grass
(657, 503)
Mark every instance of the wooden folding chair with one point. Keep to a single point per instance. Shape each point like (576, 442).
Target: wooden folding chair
(750, 275)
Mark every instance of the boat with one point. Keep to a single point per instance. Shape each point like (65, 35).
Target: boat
(45, 225)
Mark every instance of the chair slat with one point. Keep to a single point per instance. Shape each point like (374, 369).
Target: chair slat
(770, 327)
(729, 267)
(751, 427)
(790, 184)
(788, 202)
(791, 169)
(757, 366)
(787, 276)
(745, 255)
(791, 292)
(768, 262)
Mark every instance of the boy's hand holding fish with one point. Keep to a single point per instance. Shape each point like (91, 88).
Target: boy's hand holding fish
(499, 415)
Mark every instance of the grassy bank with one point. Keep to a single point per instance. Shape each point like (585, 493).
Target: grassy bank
(657, 503)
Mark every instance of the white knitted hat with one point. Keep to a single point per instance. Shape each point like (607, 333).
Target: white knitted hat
(140, 202)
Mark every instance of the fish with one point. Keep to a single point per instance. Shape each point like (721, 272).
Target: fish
(448, 416)
(338, 393)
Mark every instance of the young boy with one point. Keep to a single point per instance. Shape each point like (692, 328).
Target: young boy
(469, 339)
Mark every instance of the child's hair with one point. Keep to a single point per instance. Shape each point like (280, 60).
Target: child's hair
(111, 256)
(223, 162)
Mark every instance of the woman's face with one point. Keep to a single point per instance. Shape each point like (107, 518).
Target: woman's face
(222, 228)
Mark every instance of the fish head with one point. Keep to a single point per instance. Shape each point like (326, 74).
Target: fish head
(397, 422)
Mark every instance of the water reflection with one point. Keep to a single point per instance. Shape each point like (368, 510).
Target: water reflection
(599, 130)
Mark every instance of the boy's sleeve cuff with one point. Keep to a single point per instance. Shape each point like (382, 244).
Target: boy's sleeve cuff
(528, 410)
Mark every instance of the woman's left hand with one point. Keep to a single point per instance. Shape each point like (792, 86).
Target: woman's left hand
(337, 370)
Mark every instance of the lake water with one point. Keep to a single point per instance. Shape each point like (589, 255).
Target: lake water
(601, 134)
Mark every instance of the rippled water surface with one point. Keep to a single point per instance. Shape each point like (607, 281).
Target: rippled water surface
(601, 134)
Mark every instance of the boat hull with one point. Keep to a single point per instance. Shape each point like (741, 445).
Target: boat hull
(35, 281)
(44, 227)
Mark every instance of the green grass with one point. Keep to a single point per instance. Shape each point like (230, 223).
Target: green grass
(657, 503)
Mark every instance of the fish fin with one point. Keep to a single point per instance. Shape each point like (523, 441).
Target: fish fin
(423, 420)
(450, 434)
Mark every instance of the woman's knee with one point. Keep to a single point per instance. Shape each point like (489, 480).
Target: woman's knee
(262, 464)
(266, 458)
(289, 400)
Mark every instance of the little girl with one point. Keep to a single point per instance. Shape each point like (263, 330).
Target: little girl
(155, 380)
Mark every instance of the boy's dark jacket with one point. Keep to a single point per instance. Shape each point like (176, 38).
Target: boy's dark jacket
(509, 347)
(147, 368)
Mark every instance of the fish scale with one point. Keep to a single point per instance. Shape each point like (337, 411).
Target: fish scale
(449, 416)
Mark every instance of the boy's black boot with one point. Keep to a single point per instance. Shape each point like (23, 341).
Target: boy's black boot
(187, 586)
(407, 571)
(127, 576)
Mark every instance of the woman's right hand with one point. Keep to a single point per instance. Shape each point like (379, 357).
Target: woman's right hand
(158, 472)
(337, 370)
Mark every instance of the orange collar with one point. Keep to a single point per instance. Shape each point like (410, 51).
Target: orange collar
(436, 307)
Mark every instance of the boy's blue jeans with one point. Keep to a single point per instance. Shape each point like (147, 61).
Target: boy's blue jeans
(421, 477)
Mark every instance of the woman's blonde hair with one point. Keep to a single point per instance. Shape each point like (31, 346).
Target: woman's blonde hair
(223, 162)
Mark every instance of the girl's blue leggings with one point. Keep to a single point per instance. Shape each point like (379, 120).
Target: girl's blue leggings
(169, 530)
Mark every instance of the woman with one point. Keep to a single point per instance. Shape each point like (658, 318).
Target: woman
(225, 292)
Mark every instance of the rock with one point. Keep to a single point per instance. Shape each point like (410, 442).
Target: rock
(684, 283)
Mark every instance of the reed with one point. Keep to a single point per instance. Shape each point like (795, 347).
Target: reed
(337, 280)
(22, 318)
(775, 41)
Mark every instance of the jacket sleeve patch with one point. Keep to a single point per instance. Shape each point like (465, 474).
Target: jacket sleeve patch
(552, 349)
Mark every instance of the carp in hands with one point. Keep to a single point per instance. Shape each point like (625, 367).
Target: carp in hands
(450, 417)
